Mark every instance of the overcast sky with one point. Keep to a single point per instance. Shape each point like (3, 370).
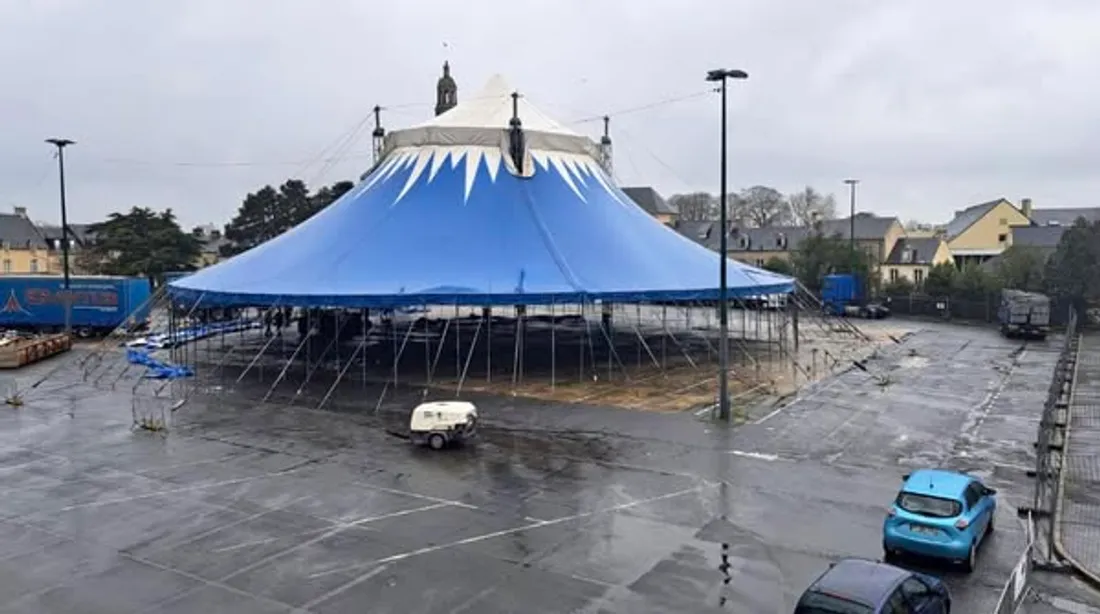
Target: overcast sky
(190, 104)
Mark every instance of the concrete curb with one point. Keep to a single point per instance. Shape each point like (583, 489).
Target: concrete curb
(1086, 574)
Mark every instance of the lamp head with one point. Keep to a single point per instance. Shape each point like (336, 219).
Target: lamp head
(721, 74)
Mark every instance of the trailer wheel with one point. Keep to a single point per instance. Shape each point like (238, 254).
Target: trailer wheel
(83, 332)
(437, 441)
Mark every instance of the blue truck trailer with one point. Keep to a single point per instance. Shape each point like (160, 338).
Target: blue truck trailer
(843, 294)
(100, 304)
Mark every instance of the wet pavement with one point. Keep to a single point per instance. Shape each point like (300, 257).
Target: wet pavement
(251, 508)
(1080, 507)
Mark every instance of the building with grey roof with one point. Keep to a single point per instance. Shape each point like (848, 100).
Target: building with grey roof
(652, 203)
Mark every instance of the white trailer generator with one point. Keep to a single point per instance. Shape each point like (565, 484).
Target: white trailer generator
(440, 423)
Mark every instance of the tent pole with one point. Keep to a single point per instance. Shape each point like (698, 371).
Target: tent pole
(362, 346)
(515, 346)
(580, 371)
(591, 348)
(553, 349)
(255, 359)
(487, 313)
(366, 336)
(642, 344)
(320, 361)
(438, 351)
(683, 350)
(664, 338)
(613, 358)
(458, 343)
(469, 357)
(428, 351)
(637, 345)
(393, 329)
(287, 365)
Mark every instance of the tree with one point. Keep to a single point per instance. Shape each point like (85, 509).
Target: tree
(940, 281)
(809, 206)
(1073, 271)
(1022, 267)
(973, 283)
(775, 264)
(140, 243)
(696, 206)
(763, 206)
(819, 255)
(268, 213)
(899, 287)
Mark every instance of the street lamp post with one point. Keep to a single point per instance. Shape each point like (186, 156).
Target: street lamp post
(61, 144)
(722, 75)
(852, 224)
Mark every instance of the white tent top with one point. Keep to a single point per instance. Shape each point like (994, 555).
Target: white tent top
(483, 121)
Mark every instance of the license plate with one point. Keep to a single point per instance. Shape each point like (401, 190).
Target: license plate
(916, 528)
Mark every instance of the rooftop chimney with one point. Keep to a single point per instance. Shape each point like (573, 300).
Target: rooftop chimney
(21, 211)
(1025, 207)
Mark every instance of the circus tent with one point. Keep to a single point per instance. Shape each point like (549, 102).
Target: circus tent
(476, 208)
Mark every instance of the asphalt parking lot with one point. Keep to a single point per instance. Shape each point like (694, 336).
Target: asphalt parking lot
(250, 508)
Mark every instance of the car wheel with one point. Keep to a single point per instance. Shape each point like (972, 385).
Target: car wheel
(971, 561)
(947, 607)
(991, 526)
(437, 441)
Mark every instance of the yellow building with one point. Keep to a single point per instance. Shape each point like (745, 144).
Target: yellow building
(983, 231)
(913, 257)
(23, 248)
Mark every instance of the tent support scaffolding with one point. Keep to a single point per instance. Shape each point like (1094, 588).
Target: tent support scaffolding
(469, 357)
(438, 350)
(340, 376)
(282, 373)
(553, 349)
(335, 341)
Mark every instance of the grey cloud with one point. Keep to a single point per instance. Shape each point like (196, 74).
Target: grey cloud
(933, 104)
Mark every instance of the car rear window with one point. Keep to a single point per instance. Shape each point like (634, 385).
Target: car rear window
(937, 507)
(820, 603)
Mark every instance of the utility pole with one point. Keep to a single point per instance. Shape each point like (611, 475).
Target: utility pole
(721, 75)
(61, 144)
(852, 225)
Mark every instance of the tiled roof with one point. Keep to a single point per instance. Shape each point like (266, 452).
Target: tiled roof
(1038, 236)
(1064, 216)
(868, 226)
(696, 230)
(648, 199)
(19, 232)
(921, 250)
(967, 217)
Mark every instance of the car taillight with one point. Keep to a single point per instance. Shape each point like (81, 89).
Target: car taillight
(962, 523)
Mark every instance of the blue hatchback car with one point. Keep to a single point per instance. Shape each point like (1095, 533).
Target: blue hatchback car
(941, 514)
(857, 586)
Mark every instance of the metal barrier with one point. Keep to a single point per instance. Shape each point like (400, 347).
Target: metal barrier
(1015, 590)
(1049, 447)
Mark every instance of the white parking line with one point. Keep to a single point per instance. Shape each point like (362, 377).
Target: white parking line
(479, 538)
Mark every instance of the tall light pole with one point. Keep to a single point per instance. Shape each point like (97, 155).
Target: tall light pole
(61, 144)
(722, 75)
(852, 224)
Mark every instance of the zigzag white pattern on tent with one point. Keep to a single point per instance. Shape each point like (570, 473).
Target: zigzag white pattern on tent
(577, 170)
(438, 158)
(493, 159)
(422, 158)
(473, 160)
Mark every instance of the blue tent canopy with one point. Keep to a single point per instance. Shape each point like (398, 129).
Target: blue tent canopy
(440, 222)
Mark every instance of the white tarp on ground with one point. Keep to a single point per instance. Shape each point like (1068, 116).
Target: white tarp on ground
(483, 121)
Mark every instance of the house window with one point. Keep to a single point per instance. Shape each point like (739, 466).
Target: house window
(907, 256)
(1001, 238)
(893, 275)
(913, 256)
(7, 265)
(34, 265)
(743, 242)
(781, 241)
(918, 276)
(1004, 221)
